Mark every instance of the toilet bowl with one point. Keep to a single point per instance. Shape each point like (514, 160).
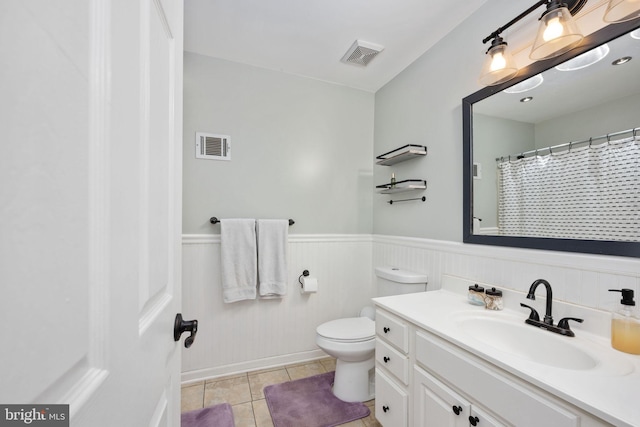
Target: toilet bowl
(352, 342)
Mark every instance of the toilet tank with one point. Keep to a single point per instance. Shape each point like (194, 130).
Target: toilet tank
(396, 281)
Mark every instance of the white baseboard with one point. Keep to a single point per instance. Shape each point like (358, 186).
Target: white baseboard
(251, 365)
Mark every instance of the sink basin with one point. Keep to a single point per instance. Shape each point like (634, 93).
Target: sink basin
(513, 336)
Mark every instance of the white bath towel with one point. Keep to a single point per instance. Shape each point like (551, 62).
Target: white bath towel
(272, 257)
(239, 259)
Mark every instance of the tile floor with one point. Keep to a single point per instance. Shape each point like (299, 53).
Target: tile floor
(244, 393)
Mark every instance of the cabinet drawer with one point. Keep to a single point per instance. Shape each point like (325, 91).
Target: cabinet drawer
(391, 402)
(392, 360)
(393, 330)
(510, 400)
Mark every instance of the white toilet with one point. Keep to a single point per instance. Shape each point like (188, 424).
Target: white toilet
(352, 340)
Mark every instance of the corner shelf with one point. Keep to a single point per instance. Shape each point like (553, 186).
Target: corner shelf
(407, 152)
(402, 186)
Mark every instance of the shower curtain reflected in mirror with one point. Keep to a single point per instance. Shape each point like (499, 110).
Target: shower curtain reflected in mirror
(590, 192)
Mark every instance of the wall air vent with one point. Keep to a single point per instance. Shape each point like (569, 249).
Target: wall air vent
(361, 53)
(212, 146)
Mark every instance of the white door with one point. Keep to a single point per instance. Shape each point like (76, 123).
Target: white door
(90, 195)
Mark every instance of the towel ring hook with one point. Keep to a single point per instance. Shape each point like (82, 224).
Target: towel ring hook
(608, 139)
(570, 146)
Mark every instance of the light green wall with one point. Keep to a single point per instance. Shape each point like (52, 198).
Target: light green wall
(619, 115)
(493, 135)
(301, 149)
(423, 105)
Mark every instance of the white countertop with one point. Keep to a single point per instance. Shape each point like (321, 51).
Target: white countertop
(610, 390)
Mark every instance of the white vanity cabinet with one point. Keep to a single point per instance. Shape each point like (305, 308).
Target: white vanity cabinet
(423, 380)
(392, 370)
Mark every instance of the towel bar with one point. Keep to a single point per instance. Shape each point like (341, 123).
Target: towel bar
(215, 220)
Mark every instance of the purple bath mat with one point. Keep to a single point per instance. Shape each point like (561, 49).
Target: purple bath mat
(309, 402)
(214, 416)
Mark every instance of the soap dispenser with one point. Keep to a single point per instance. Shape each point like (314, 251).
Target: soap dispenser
(625, 324)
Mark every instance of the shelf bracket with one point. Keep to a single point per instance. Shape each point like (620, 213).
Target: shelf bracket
(423, 198)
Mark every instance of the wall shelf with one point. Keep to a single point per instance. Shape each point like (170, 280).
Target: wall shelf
(402, 186)
(407, 152)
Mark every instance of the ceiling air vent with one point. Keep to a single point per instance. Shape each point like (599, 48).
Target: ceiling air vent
(361, 53)
(212, 146)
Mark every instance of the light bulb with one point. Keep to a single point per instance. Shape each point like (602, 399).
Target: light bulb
(554, 29)
(498, 62)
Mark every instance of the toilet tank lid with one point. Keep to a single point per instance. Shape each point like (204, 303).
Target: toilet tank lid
(401, 276)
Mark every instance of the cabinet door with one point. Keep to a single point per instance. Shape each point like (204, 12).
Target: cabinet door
(391, 402)
(479, 418)
(436, 405)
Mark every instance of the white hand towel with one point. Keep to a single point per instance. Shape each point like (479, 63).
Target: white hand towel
(239, 259)
(272, 257)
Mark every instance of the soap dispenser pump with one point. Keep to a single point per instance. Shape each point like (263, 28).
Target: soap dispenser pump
(625, 324)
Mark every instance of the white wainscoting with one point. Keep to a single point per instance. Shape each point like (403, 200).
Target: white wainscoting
(257, 334)
(576, 278)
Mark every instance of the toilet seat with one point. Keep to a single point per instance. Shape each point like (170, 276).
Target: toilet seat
(351, 329)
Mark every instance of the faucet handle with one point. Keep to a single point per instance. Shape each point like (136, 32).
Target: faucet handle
(534, 314)
(564, 323)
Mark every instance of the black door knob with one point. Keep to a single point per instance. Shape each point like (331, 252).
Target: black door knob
(457, 409)
(385, 408)
(386, 359)
(385, 329)
(181, 326)
(473, 420)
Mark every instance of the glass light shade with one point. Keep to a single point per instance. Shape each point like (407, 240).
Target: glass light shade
(527, 85)
(586, 59)
(499, 66)
(557, 34)
(622, 10)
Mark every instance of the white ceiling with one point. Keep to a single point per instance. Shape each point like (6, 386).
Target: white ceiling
(309, 37)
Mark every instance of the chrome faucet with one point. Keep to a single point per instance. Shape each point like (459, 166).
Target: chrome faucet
(534, 319)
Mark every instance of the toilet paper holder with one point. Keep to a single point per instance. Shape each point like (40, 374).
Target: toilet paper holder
(305, 273)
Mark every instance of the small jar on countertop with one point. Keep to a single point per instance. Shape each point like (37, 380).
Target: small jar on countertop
(493, 299)
(476, 295)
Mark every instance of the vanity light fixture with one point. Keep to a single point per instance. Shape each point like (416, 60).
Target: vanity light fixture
(558, 33)
(622, 10)
(499, 66)
(527, 99)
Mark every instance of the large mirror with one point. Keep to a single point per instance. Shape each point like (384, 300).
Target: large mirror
(551, 157)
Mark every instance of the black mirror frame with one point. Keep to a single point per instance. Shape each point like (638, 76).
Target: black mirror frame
(629, 249)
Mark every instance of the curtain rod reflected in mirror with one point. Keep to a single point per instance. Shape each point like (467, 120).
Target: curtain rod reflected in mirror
(569, 145)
